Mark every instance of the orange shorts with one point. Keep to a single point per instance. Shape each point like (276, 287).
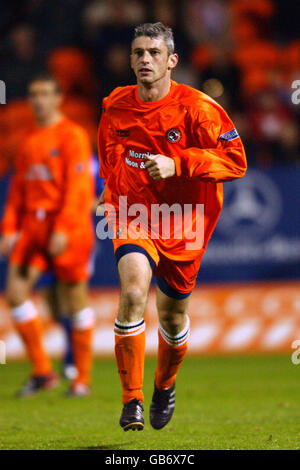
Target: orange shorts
(174, 278)
(31, 249)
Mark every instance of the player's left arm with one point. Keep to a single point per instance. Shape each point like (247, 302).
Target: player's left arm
(220, 155)
(14, 203)
(10, 224)
(78, 188)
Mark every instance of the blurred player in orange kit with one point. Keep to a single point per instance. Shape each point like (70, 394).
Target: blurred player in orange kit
(47, 225)
(160, 144)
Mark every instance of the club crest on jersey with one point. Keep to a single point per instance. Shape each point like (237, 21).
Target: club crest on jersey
(173, 135)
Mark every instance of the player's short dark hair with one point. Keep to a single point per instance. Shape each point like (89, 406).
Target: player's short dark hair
(45, 77)
(156, 30)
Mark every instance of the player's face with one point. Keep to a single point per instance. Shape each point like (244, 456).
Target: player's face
(150, 59)
(44, 99)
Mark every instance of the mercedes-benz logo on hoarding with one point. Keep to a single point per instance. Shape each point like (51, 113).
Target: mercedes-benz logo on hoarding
(252, 207)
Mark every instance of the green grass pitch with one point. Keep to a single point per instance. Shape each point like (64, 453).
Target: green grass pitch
(240, 402)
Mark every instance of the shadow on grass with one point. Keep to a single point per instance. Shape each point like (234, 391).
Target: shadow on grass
(107, 447)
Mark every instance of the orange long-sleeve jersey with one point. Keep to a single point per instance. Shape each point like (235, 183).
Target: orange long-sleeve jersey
(52, 175)
(187, 126)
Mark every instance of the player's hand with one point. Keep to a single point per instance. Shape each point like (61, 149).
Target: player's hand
(57, 244)
(160, 167)
(6, 244)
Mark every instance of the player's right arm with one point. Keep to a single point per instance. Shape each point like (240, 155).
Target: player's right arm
(13, 210)
(104, 166)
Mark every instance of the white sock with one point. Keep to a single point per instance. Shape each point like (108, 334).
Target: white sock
(24, 312)
(129, 328)
(84, 319)
(178, 339)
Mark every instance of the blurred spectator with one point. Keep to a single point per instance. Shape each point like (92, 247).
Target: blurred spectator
(107, 23)
(206, 20)
(273, 130)
(21, 60)
(74, 70)
(113, 13)
(186, 74)
(116, 67)
(165, 11)
(226, 72)
(57, 23)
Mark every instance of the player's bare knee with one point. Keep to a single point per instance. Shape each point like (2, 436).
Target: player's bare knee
(14, 296)
(134, 296)
(72, 296)
(172, 322)
(132, 303)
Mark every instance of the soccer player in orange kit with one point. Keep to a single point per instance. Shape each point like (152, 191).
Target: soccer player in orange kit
(160, 143)
(47, 224)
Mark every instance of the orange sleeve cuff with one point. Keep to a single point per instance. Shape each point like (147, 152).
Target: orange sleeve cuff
(61, 228)
(8, 227)
(178, 170)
